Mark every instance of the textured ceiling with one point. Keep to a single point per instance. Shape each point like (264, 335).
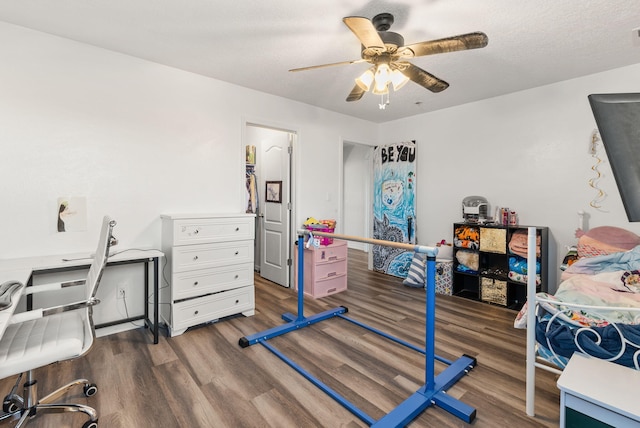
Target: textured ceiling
(253, 43)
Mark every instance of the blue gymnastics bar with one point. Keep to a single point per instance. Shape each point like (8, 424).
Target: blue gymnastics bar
(433, 392)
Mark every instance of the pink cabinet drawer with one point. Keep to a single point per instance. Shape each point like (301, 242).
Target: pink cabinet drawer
(328, 270)
(333, 252)
(327, 286)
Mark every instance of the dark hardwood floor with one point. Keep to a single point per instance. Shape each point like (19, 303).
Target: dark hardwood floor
(204, 379)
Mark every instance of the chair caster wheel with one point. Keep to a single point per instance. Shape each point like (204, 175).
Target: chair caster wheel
(90, 424)
(90, 390)
(12, 404)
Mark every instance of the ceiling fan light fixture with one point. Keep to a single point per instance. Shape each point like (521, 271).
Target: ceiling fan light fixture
(398, 79)
(365, 80)
(383, 73)
(382, 79)
(380, 90)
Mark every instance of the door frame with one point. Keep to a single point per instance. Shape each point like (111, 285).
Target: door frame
(293, 186)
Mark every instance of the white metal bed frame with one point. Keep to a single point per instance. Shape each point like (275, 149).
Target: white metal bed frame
(533, 360)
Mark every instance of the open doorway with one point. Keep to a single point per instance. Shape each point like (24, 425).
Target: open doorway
(272, 172)
(357, 165)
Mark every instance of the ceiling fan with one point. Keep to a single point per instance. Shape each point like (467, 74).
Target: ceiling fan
(388, 55)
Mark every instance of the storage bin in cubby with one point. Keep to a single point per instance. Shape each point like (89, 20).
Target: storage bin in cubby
(493, 240)
(493, 291)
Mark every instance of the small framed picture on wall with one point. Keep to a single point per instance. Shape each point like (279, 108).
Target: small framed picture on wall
(273, 191)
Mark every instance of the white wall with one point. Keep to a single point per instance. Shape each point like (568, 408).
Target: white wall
(136, 139)
(527, 151)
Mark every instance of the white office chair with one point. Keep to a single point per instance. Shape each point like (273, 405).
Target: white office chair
(44, 336)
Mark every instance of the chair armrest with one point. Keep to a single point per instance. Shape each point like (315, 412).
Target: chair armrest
(26, 316)
(43, 312)
(53, 286)
(70, 306)
(7, 291)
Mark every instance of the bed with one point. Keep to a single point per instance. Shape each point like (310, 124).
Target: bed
(595, 310)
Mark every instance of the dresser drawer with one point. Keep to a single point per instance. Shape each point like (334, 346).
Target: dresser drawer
(204, 256)
(200, 230)
(212, 280)
(333, 252)
(207, 308)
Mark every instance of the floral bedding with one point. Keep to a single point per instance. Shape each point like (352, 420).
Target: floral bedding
(595, 310)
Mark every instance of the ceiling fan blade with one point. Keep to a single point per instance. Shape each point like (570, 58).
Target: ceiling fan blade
(450, 44)
(422, 78)
(355, 61)
(356, 93)
(364, 31)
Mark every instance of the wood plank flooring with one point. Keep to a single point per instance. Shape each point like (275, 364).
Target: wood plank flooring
(204, 379)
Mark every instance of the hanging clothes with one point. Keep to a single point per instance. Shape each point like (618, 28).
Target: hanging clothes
(252, 191)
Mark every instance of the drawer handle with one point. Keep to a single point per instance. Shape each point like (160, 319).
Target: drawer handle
(195, 283)
(237, 252)
(237, 229)
(237, 301)
(195, 258)
(332, 274)
(333, 258)
(236, 277)
(195, 313)
(195, 232)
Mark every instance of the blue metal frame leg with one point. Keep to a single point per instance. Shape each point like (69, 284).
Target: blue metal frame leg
(294, 323)
(393, 338)
(433, 392)
(406, 411)
(318, 383)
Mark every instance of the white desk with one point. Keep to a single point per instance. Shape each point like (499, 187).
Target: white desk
(607, 393)
(23, 270)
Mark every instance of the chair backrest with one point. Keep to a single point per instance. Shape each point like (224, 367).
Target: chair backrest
(105, 242)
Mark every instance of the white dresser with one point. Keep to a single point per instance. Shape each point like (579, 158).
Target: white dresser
(209, 268)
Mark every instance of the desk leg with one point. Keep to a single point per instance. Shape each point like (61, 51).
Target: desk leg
(156, 290)
(156, 297)
(146, 293)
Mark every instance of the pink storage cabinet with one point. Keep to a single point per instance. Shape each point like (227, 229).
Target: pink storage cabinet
(325, 269)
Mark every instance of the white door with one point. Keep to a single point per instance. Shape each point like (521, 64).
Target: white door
(274, 212)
